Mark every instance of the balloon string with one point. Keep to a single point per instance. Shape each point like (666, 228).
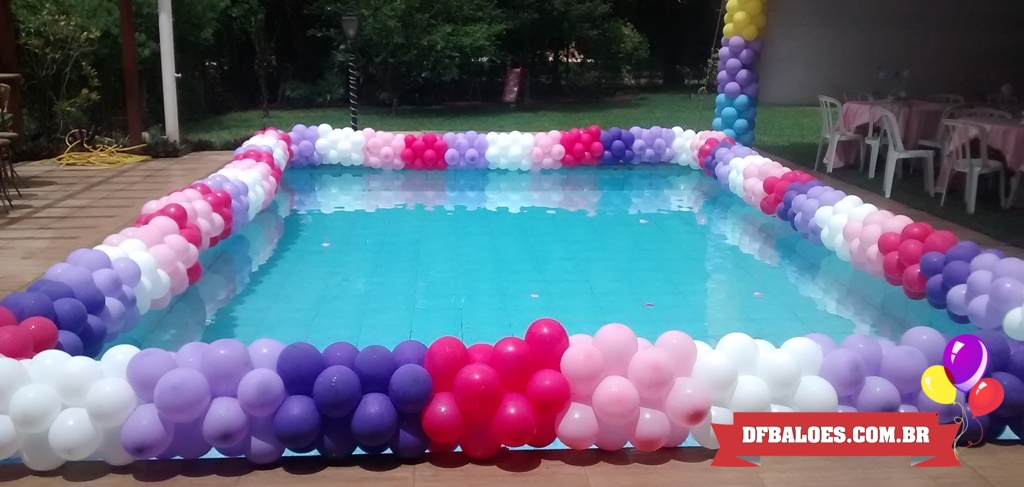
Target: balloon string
(972, 443)
(960, 420)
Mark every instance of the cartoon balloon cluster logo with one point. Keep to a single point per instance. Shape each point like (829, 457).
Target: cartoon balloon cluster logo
(963, 364)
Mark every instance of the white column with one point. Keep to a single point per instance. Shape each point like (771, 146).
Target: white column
(167, 73)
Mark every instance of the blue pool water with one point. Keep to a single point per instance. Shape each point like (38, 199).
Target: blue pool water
(379, 257)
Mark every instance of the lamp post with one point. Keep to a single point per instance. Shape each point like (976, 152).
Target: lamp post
(350, 25)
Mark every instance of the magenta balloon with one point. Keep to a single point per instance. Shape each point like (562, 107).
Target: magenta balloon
(226, 424)
(224, 364)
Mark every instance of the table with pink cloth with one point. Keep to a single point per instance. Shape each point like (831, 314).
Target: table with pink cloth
(918, 119)
(1005, 136)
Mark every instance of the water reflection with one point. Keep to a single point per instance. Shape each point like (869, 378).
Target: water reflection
(855, 302)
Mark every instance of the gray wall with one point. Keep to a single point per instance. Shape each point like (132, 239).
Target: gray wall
(815, 47)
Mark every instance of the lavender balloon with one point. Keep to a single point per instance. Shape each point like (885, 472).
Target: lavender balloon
(226, 424)
(869, 350)
(877, 396)
(844, 369)
(926, 339)
(146, 368)
(225, 362)
(182, 395)
(145, 434)
(188, 442)
(261, 392)
(264, 353)
(903, 366)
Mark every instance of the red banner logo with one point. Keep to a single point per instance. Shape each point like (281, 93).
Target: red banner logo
(836, 435)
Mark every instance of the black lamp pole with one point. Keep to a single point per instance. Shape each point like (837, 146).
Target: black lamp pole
(350, 25)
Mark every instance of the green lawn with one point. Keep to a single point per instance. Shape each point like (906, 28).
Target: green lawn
(789, 132)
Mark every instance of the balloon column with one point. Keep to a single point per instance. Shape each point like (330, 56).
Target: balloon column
(582, 147)
(466, 150)
(425, 152)
(736, 104)
(383, 149)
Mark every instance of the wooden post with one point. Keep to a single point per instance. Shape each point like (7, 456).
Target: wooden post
(9, 64)
(129, 60)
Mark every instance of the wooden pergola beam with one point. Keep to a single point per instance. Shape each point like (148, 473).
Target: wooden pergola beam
(132, 99)
(9, 64)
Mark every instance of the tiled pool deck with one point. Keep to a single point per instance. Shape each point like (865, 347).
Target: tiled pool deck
(64, 210)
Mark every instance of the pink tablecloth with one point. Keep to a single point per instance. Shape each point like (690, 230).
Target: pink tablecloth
(1006, 136)
(917, 119)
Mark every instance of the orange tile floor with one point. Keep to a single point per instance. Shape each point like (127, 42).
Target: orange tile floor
(66, 209)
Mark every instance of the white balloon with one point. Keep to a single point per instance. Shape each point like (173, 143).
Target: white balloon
(110, 401)
(113, 252)
(815, 395)
(146, 262)
(133, 245)
(115, 361)
(752, 395)
(718, 372)
(33, 408)
(778, 408)
(702, 347)
(704, 433)
(10, 438)
(806, 352)
(111, 450)
(741, 349)
(1013, 325)
(46, 366)
(764, 346)
(73, 436)
(780, 371)
(15, 376)
(76, 378)
(37, 454)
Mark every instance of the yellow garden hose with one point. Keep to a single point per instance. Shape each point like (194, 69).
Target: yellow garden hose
(101, 153)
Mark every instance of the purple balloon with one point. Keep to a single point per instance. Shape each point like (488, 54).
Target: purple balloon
(410, 388)
(956, 299)
(878, 396)
(297, 422)
(869, 350)
(732, 89)
(146, 368)
(69, 342)
(261, 392)
(410, 441)
(337, 391)
(182, 395)
(306, 148)
(724, 54)
(374, 421)
(337, 440)
(748, 57)
(91, 259)
(299, 365)
(966, 358)
(751, 90)
(737, 44)
(998, 349)
(340, 353)
(145, 434)
(52, 289)
(932, 263)
(1013, 396)
(449, 138)
(903, 366)
(946, 411)
(263, 447)
(472, 157)
(374, 366)
(985, 261)
(955, 272)
(745, 77)
(926, 339)
(188, 442)
(113, 316)
(264, 353)
(831, 198)
(234, 451)
(224, 364)
(963, 251)
(451, 156)
(410, 352)
(1010, 267)
(1007, 293)
(845, 370)
(190, 355)
(226, 424)
(25, 305)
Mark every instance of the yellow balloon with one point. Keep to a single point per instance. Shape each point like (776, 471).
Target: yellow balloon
(729, 16)
(750, 32)
(732, 5)
(935, 384)
(741, 20)
(759, 21)
(728, 30)
(753, 8)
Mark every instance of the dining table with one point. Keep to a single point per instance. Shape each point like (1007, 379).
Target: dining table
(917, 119)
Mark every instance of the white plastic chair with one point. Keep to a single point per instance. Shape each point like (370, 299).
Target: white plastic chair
(983, 112)
(857, 96)
(960, 133)
(939, 142)
(946, 98)
(874, 139)
(1004, 102)
(834, 130)
(897, 152)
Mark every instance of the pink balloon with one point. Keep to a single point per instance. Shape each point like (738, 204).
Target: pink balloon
(681, 348)
(852, 231)
(581, 339)
(688, 403)
(129, 232)
(206, 231)
(612, 436)
(202, 208)
(165, 257)
(869, 234)
(216, 224)
(149, 235)
(643, 343)
(616, 400)
(192, 194)
(557, 151)
(577, 427)
(896, 224)
(583, 366)
(387, 154)
(164, 224)
(160, 302)
(115, 239)
(878, 217)
(617, 344)
(677, 435)
(652, 372)
(179, 279)
(652, 430)
(187, 254)
(751, 172)
(536, 155)
(151, 206)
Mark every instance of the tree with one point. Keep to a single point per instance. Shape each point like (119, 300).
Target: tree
(405, 43)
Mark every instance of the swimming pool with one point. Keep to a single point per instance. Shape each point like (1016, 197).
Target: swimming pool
(373, 257)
